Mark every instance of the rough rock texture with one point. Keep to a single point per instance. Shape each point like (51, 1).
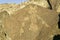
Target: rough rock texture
(42, 3)
(58, 6)
(13, 7)
(32, 23)
(51, 4)
(3, 34)
(31, 20)
(10, 8)
(55, 5)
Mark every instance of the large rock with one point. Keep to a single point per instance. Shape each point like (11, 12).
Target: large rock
(32, 23)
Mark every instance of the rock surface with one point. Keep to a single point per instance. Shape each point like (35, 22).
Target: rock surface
(55, 5)
(31, 20)
(33, 24)
(3, 34)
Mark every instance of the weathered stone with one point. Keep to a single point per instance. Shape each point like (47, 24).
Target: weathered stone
(58, 6)
(42, 3)
(55, 5)
(3, 34)
(32, 23)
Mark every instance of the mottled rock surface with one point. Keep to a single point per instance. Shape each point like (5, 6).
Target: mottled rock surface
(32, 23)
(42, 3)
(3, 33)
(33, 20)
(55, 5)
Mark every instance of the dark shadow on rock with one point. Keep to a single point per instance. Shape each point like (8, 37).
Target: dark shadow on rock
(56, 37)
(49, 4)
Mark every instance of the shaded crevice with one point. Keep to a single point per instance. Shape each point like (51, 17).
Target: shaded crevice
(49, 4)
(5, 34)
(56, 37)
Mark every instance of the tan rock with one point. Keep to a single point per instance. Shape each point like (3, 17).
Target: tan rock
(3, 34)
(32, 22)
(55, 5)
(42, 3)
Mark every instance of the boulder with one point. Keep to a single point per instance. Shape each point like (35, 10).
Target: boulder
(33, 22)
